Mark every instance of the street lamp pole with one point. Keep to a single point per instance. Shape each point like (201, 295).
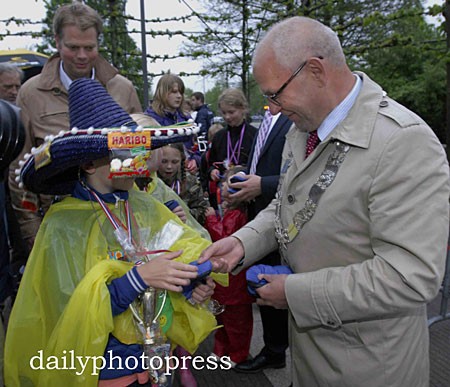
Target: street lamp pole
(144, 55)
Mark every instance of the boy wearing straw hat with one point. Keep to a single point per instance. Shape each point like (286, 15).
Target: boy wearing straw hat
(93, 255)
(44, 98)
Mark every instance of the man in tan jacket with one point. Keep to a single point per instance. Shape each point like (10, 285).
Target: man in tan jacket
(362, 221)
(44, 98)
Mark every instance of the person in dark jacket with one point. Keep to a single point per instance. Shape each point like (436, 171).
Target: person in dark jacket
(204, 115)
(258, 190)
(12, 138)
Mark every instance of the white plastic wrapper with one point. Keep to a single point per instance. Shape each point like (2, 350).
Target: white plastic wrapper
(165, 238)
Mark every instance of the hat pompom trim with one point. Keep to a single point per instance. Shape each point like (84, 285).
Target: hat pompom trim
(53, 168)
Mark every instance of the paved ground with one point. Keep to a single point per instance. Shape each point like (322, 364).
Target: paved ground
(439, 348)
(439, 357)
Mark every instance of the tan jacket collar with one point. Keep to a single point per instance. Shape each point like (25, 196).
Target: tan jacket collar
(356, 129)
(50, 80)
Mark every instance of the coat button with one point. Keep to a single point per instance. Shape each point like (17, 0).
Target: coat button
(384, 103)
(291, 198)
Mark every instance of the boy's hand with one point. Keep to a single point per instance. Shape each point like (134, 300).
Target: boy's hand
(164, 273)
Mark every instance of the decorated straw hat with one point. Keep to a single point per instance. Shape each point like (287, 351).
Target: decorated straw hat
(99, 126)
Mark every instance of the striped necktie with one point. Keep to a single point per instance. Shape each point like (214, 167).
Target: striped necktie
(263, 132)
(312, 142)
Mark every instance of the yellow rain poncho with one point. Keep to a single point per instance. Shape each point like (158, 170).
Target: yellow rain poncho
(63, 306)
(159, 190)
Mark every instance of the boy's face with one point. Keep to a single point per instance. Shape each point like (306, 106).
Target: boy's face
(98, 178)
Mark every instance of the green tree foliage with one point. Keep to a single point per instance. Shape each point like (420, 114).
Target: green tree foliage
(389, 39)
(212, 97)
(410, 66)
(232, 28)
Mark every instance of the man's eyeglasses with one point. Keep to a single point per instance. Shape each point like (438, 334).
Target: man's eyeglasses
(274, 97)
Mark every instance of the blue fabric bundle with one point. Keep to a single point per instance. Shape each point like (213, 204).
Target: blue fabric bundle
(253, 282)
(204, 270)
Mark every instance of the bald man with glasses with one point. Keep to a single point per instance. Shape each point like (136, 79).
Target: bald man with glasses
(361, 217)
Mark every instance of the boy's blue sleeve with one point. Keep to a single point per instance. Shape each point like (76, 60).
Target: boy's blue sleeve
(125, 289)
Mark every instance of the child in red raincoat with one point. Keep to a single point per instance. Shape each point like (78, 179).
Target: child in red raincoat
(234, 338)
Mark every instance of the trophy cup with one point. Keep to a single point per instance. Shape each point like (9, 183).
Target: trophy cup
(156, 347)
(148, 307)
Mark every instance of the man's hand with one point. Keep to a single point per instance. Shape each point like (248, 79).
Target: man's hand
(248, 189)
(273, 293)
(223, 254)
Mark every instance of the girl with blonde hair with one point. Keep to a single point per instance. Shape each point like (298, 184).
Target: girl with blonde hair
(231, 145)
(167, 109)
(167, 104)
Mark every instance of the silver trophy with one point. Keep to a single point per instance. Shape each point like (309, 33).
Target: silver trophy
(146, 311)
(148, 306)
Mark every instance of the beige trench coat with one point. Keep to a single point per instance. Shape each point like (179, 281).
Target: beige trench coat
(373, 253)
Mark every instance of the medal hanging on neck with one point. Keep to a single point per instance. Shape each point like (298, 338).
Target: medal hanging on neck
(123, 233)
(149, 306)
(176, 186)
(234, 151)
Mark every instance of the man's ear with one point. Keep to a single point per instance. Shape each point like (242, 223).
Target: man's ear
(318, 70)
(57, 41)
